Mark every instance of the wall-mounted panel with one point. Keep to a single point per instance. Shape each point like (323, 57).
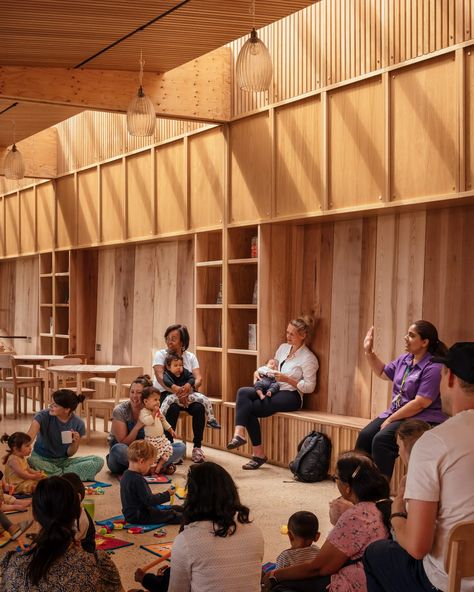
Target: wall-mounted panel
(424, 145)
(356, 145)
(112, 202)
(66, 204)
(140, 195)
(45, 215)
(2, 226)
(88, 207)
(250, 169)
(12, 224)
(26, 303)
(207, 159)
(28, 220)
(171, 188)
(469, 122)
(298, 151)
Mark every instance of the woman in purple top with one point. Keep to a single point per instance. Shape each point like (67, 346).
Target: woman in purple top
(415, 391)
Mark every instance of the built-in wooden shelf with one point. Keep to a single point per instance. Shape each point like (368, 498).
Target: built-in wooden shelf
(209, 306)
(243, 352)
(247, 261)
(206, 348)
(209, 263)
(243, 306)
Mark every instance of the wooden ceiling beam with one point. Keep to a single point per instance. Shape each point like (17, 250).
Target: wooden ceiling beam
(39, 154)
(198, 91)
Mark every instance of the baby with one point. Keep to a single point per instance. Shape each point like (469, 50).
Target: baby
(303, 531)
(8, 503)
(267, 385)
(155, 426)
(175, 376)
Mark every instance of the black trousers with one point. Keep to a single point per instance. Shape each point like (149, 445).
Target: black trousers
(380, 444)
(250, 407)
(157, 583)
(389, 568)
(197, 412)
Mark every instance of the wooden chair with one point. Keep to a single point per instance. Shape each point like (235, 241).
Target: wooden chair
(123, 379)
(12, 382)
(459, 561)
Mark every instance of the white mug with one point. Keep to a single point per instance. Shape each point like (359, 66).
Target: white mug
(66, 437)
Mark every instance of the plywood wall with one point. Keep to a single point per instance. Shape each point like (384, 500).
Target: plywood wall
(387, 271)
(141, 290)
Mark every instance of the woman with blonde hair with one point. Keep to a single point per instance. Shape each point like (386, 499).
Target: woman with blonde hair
(296, 376)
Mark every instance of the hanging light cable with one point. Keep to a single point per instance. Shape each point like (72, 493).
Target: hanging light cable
(254, 64)
(14, 166)
(141, 116)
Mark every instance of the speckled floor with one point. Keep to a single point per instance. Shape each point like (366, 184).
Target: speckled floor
(270, 493)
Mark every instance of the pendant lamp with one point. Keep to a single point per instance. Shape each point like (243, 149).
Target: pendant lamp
(141, 116)
(14, 166)
(254, 63)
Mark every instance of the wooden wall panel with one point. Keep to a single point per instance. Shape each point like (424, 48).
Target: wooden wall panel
(449, 280)
(140, 195)
(26, 304)
(113, 201)
(105, 305)
(251, 168)
(88, 207)
(356, 145)
(398, 290)
(7, 301)
(2, 226)
(469, 121)
(12, 224)
(28, 220)
(172, 208)
(123, 304)
(351, 313)
(66, 208)
(45, 215)
(298, 158)
(207, 157)
(424, 130)
(144, 306)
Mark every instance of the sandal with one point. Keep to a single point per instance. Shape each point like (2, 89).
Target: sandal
(169, 470)
(254, 463)
(236, 442)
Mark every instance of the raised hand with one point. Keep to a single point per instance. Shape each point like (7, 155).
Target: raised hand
(369, 341)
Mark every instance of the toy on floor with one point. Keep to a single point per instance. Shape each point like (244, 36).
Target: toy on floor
(163, 550)
(284, 529)
(135, 530)
(161, 532)
(120, 518)
(109, 543)
(94, 491)
(107, 526)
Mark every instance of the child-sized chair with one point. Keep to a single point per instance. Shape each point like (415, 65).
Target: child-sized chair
(12, 382)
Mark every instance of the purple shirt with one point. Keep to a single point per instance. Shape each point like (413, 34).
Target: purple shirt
(410, 380)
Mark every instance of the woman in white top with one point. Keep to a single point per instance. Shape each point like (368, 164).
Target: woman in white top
(297, 375)
(219, 547)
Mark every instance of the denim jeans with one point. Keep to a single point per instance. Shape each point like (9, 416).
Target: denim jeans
(117, 459)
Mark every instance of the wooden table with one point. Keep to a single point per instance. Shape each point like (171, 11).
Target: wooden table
(35, 359)
(84, 371)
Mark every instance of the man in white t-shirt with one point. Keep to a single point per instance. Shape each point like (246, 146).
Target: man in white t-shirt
(438, 492)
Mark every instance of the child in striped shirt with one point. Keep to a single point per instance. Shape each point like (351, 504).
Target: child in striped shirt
(303, 531)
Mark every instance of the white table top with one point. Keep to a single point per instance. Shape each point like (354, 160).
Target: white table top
(104, 370)
(36, 357)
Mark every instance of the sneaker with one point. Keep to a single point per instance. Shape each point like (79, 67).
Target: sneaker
(197, 455)
(5, 537)
(213, 423)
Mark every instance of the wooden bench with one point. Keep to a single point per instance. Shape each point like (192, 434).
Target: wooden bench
(282, 433)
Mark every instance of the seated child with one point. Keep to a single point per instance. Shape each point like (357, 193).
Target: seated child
(17, 470)
(303, 531)
(138, 502)
(267, 385)
(85, 525)
(175, 376)
(8, 503)
(155, 425)
(409, 431)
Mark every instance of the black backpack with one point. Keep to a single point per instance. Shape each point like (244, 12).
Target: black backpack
(313, 458)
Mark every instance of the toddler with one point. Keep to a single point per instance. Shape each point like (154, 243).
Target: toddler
(138, 502)
(303, 531)
(175, 376)
(17, 470)
(267, 385)
(408, 432)
(85, 525)
(8, 503)
(155, 425)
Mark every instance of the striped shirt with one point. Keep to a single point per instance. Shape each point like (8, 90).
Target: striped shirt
(294, 556)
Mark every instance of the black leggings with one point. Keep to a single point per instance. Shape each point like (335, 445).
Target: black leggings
(318, 584)
(380, 444)
(197, 412)
(250, 407)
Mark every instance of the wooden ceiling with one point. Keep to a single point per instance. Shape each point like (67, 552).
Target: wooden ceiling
(106, 34)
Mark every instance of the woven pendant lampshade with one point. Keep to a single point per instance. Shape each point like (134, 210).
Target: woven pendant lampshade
(14, 166)
(254, 65)
(141, 116)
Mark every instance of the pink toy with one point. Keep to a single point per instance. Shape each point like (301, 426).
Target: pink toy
(135, 530)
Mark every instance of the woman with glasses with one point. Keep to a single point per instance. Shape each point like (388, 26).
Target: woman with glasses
(58, 431)
(338, 566)
(415, 392)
